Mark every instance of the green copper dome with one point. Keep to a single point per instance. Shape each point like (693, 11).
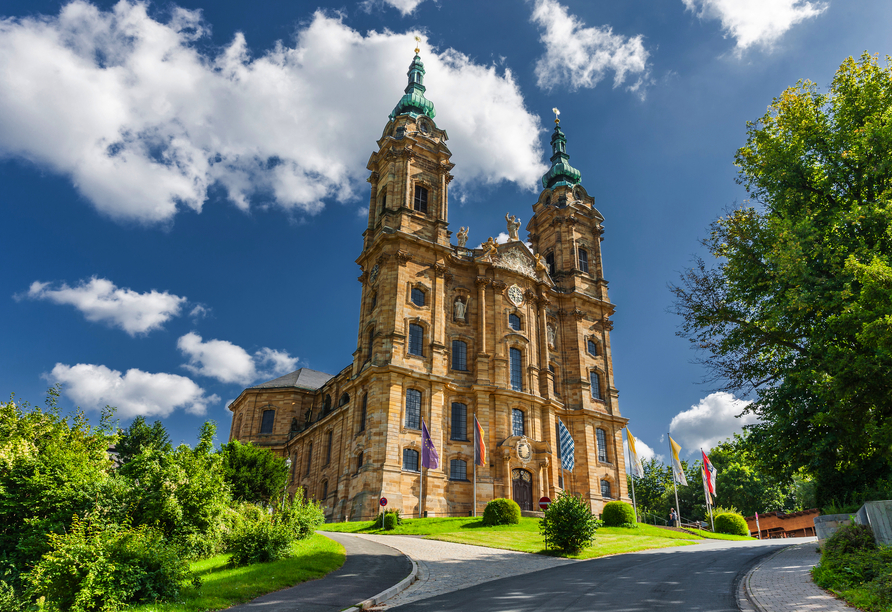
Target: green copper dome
(561, 172)
(414, 103)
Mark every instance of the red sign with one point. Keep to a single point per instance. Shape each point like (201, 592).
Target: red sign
(383, 501)
(544, 502)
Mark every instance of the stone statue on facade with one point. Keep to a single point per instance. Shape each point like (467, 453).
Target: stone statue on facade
(463, 236)
(491, 246)
(513, 226)
(549, 330)
(540, 265)
(460, 309)
(295, 425)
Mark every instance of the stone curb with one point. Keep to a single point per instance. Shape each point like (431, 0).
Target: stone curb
(744, 602)
(393, 591)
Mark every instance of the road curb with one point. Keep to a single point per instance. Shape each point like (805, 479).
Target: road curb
(744, 602)
(393, 591)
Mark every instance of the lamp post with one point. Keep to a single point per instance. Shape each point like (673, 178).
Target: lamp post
(285, 491)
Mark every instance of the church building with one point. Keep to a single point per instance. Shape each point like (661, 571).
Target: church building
(517, 337)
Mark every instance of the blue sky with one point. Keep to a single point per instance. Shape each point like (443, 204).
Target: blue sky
(182, 185)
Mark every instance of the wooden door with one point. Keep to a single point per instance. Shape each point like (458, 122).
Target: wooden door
(523, 489)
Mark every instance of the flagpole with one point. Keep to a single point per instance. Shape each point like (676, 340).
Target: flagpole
(675, 486)
(421, 493)
(632, 478)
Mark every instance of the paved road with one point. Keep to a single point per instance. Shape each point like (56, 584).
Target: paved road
(692, 578)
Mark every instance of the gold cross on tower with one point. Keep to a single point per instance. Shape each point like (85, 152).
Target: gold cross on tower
(557, 114)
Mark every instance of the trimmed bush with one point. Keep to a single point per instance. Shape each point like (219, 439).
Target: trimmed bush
(569, 524)
(618, 514)
(380, 519)
(732, 524)
(390, 520)
(501, 511)
(106, 567)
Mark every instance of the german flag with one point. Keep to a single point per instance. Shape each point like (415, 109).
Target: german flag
(479, 444)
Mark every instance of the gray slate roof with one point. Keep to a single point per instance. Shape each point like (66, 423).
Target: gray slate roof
(303, 378)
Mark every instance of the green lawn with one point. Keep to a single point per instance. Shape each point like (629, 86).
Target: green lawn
(525, 535)
(224, 586)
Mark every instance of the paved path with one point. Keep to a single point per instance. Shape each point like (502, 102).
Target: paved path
(783, 582)
(369, 569)
(444, 567)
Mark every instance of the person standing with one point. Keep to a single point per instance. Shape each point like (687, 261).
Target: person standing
(673, 518)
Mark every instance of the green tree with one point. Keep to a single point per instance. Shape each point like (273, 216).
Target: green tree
(797, 310)
(139, 437)
(650, 489)
(254, 474)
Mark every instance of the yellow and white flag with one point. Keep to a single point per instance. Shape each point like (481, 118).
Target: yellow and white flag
(635, 467)
(677, 471)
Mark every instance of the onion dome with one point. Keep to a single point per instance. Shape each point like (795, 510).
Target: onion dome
(413, 102)
(561, 172)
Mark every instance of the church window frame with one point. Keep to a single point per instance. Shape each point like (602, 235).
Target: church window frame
(583, 259)
(605, 489)
(324, 490)
(360, 460)
(345, 399)
(416, 339)
(515, 322)
(411, 460)
(554, 377)
(591, 346)
(459, 355)
(515, 368)
(601, 438)
(418, 296)
(421, 199)
(326, 403)
(594, 378)
(413, 409)
(518, 422)
(458, 420)
(268, 421)
(458, 470)
(549, 262)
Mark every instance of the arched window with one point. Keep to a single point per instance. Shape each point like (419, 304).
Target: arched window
(592, 347)
(360, 460)
(365, 403)
(326, 404)
(328, 448)
(596, 384)
(458, 469)
(344, 399)
(517, 424)
(554, 376)
(368, 356)
(417, 296)
(416, 340)
(549, 261)
(605, 489)
(413, 409)
(602, 445)
(514, 322)
(459, 355)
(267, 422)
(309, 458)
(421, 199)
(410, 459)
(459, 422)
(583, 260)
(516, 359)
(324, 489)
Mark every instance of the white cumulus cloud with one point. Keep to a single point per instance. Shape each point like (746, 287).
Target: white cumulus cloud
(406, 7)
(144, 120)
(643, 449)
(756, 22)
(580, 56)
(711, 421)
(101, 300)
(230, 363)
(136, 393)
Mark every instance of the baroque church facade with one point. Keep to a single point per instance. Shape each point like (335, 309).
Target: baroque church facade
(513, 336)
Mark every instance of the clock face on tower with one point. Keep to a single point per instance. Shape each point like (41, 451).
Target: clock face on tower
(515, 295)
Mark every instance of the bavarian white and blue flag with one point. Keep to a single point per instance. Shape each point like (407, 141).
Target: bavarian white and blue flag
(567, 446)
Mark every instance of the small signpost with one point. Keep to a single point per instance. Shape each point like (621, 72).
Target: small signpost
(383, 502)
(544, 503)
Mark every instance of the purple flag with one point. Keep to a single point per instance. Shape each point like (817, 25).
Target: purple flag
(429, 457)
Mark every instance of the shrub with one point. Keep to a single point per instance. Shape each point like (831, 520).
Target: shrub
(849, 539)
(501, 511)
(257, 539)
(569, 524)
(302, 516)
(382, 516)
(389, 520)
(618, 514)
(731, 523)
(104, 568)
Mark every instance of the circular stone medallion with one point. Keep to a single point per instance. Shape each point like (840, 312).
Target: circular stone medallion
(524, 451)
(515, 295)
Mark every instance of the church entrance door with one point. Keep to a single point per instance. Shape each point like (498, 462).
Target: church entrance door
(523, 488)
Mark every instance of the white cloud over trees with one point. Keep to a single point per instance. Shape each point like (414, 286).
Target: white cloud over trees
(230, 363)
(100, 300)
(135, 393)
(711, 421)
(144, 120)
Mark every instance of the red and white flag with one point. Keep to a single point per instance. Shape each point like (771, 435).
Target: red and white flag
(710, 473)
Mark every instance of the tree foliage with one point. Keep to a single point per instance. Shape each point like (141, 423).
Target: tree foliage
(797, 310)
(140, 437)
(569, 524)
(254, 474)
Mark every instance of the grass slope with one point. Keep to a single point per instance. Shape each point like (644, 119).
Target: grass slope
(224, 586)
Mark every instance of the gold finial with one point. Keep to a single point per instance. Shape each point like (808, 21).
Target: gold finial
(556, 115)
(417, 44)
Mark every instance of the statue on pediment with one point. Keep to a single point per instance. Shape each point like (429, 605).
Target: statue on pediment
(463, 236)
(513, 226)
